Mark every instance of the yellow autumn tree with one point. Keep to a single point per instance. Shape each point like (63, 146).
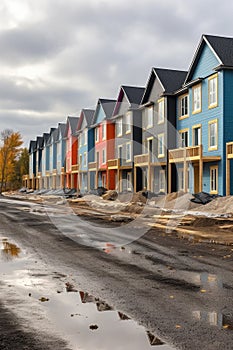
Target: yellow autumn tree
(9, 152)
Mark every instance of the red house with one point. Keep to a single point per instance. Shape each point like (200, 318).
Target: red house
(71, 153)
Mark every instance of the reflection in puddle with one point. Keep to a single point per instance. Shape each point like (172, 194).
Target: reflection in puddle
(75, 315)
(9, 250)
(208, 281)
(214, 319)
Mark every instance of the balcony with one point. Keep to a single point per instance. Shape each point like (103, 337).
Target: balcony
(188, 153)
(142, 160)
(54, 172)
(92, 166)
(62, 171)
(75, 168)
(113, 164)
(26, 177)
(47, 173)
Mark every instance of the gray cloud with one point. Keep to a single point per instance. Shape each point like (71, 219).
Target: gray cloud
(91, 47)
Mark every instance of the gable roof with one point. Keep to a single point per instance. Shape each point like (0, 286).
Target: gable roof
(32, 146)
(73, 122)
(108, 107)
(132, 93)
(170, 80)
(45, 138)
(61, 129)
(222, 47)
(39, 142)
(88, 115)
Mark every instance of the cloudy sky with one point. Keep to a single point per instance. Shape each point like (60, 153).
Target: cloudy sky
(57, 56)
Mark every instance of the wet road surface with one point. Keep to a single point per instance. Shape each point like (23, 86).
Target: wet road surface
(66, 288)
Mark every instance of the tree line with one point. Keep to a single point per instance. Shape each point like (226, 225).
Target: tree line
(14, 160)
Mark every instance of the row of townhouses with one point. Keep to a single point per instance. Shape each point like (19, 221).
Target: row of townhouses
(176, 133)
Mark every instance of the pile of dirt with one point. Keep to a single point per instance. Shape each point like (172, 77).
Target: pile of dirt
(110, 195)
(174, 201)
(219, 205)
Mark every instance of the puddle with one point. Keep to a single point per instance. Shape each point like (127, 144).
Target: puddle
(214, 318)
(208, 281)
(9, 251)
(90, 323)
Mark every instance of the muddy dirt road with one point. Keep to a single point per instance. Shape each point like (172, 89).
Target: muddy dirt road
(62, 288)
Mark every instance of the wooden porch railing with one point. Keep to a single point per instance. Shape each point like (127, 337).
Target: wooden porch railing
(141, 159)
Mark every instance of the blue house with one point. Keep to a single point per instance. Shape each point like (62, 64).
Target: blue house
(204, 118)
(85, 147)
(61, 155)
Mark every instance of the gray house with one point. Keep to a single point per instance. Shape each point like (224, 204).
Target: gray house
(158, 108)
(128, 138)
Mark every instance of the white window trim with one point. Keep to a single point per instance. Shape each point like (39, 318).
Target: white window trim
(181, 98)
(194, 127)
(97, 136)
(104, 156)
(128, 159)
(149, 125)
(215, 103)
(214, 167)
(128, 122)
(85, 159)
(182, 132)
(162, 173)
(214, 147)
(119, 122)
(161, 102)
(198, 110)
(161, 155)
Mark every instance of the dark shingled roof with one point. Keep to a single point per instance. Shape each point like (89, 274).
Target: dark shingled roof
(32, 146)
(39, 141)
(134, 94)
(73, 121)
(108, 106)
(223, 47)
(45, 138)
(170, 79)
(55, 135)
(62, 129)
(88, 113)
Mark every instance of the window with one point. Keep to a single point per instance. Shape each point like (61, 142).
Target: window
(85, 159)
(129, 181)
(184, 106)
(128, 123)
(184, 139)
(213, 135)
(104, 156)
(85, 137)
(162, 184)
(214, 179)
(161, 146)
(80, 160)
(119, 127)
(149, 114)
(196, 135)
(120, 154)
(128, 152)
(80, 140)
(197, 99)
(213, 91)
(161, 111)
(97, 134)
(104, 131)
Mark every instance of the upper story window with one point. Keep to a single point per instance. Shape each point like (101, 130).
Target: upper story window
(197, 99)
(104, 156)
(85, 137)
(128, 151)
(184, 106)
(149, 116)
(85, 159)
(213, 91)
(80, 140)
(213, 135)
(161, 111)
(119, 127)
(104, 131)
(184, 138)
(128, 122)
(161, 151)
(97, 134)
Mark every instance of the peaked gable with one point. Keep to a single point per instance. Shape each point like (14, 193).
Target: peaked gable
(128, 97)
(211, 52)
(104, 110)
(167, 80)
